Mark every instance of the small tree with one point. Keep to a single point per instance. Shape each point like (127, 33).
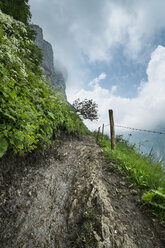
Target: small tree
(88, 109)
(19, 9)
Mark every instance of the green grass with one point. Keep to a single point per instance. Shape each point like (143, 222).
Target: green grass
(85, 235)
(141, 170)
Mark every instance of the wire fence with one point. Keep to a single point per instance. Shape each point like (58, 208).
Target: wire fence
(136, 129)
(113, 126)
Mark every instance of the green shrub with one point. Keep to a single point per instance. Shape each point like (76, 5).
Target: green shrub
(29, 109)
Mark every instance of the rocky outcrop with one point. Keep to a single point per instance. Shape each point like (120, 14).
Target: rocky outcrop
(55, 76)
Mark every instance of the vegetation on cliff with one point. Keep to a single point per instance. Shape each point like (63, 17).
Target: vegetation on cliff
(18, 9)
(30, 111)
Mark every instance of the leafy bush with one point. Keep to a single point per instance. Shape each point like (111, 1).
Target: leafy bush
(29, 109)
(155, 197)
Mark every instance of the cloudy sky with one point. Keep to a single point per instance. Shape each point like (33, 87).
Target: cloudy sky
(114, 53)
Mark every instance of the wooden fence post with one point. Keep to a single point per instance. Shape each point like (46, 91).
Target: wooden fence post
(98, 133)
(102, 133)
(112, 129)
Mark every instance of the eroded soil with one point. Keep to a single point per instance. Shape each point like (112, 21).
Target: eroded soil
(70, 198)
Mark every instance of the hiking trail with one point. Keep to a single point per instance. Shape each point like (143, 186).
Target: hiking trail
(70, 198)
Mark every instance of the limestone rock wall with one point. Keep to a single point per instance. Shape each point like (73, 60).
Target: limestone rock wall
(53, 74)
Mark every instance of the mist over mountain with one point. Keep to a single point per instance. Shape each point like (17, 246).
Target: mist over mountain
(53, 73)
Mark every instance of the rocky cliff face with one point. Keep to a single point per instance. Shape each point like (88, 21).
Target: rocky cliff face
(55, 76)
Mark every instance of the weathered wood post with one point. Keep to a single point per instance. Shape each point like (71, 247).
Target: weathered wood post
(98, 133)
(112, 129)
(102, 133)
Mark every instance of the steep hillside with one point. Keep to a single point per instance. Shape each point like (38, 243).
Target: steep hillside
(71, 198)
(30, 111)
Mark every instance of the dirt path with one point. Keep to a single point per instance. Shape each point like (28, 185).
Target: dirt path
(69, 198)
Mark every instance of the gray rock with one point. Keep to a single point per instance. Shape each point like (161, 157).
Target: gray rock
(53, 74)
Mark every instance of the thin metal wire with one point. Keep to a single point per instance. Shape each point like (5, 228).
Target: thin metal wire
(107, 125)
(137, 129)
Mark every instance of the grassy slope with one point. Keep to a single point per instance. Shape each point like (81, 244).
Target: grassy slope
(30, 111)
(142, 171)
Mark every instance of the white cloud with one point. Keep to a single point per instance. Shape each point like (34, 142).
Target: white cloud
(144, 111)
(95, 28)
(95, 81)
